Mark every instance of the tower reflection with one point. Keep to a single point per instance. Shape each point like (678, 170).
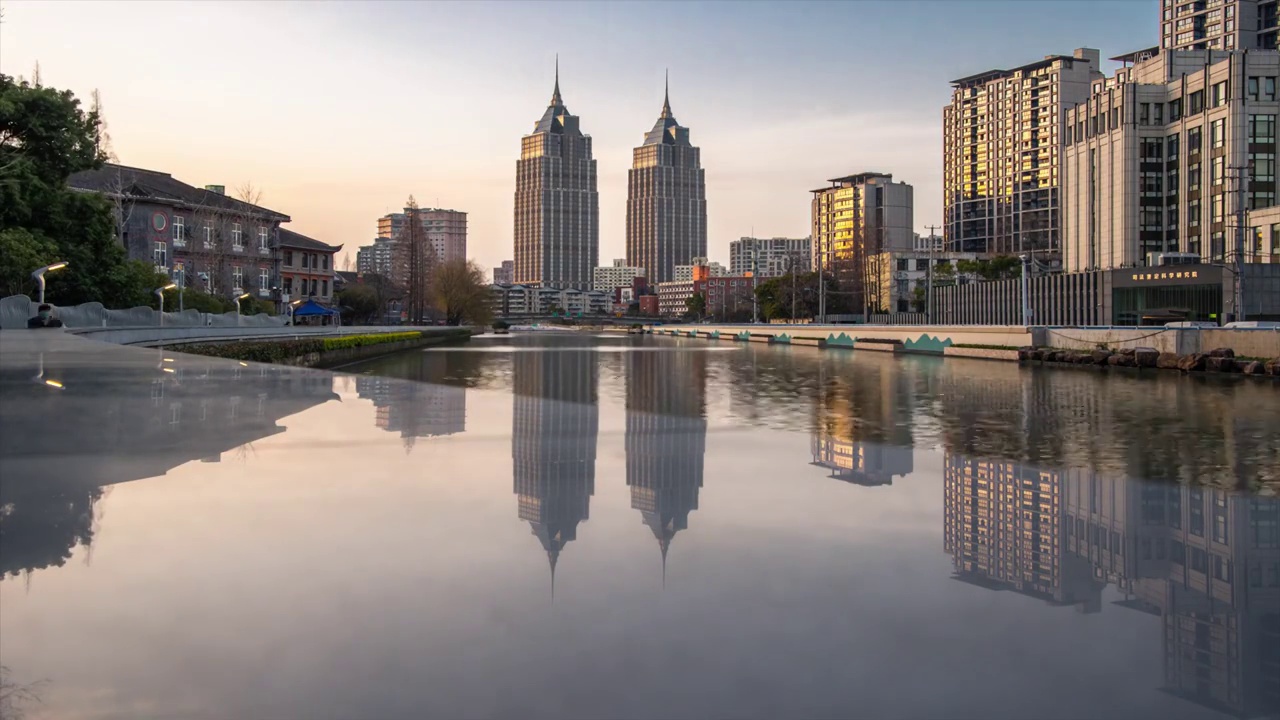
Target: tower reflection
(862, 428)
(666, 438)
(429, 407)
(1204, 560)
(555, 421)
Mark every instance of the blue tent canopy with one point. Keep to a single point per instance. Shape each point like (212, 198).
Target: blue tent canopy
(311, 308)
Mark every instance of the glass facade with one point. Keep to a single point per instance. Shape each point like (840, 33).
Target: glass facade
(1157, 305)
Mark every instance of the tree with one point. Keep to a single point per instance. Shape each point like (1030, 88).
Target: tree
(944, 273)
(695, 306)
(413, 261)
(918, 298)
(459, 291)
(359, 303)
(20, 253)
(44, 138)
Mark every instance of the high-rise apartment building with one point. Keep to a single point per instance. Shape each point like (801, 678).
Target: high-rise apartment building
(557, 208)
(617, 275)
(666, 200)
(770, 257)
(376, 258)
(445, 230)
(1218, 24)
(858, 216)
(1162, 160)
(505, 274)
(1002, 141)
(686, 272)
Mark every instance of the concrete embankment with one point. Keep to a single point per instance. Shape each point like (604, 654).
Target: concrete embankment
(325, 352)
(1250, 351)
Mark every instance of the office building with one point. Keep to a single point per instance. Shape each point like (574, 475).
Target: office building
(505, 274)
(926, 243)
(617, 275)
(514, 300)
(770, 257)
(445, 231)
(1163, 159)
(855, 217)
(1002, 141)
(673, 297)
(1218, 25)
(557, 215)
(666, 200)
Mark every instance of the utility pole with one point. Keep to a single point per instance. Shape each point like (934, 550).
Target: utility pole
(755, 270)
(793, 287)
(822, 284)
(1026, 300)
(928, 296)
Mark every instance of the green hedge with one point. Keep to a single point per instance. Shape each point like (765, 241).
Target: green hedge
(354, 341)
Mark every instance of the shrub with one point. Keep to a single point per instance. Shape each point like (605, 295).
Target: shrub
(354, 341)
(258, 351)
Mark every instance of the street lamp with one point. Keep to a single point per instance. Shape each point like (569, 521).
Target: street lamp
(293, 305)
(39, 276)
(238, 299)
(160, 295)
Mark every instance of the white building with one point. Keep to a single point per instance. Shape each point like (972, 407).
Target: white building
(769, 257)
(1218, 25)
(512, 300)
(376, 258)
(685, 272)
(607, 278)
(673, 297)
(896, 275)
(1164, 157)
(925, 243)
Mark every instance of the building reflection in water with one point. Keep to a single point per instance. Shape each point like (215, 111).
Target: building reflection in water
(666, 438)
(62, 448)
(863, 425)
(555, 421)
(1205, 561)
(422, 409)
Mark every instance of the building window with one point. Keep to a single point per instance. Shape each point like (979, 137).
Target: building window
(324, 262)
(237, 278)
(1144, 114)
(1171, 147)
(179, 230)
(264, 279)
(1193, 213)
(1152, 149)
(208, 236)
(1218, 133)
(1219, 94)
(288, 258)
(1268, 88)
(1253, 88)
(1262, 128)
(288, 284)
(902, 263)
(263, 243)
(160, 254)
(304, 259)
(922, 264)
(1197, 102)
(313, 286)
(237, 237)
(324, 287)
(1157, 113)
(1175, 109)
(1193, 140)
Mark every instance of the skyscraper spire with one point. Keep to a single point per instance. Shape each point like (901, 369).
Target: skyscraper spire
(555, 94)
(666, 94)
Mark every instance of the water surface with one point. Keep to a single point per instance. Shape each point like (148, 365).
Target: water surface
(575, 526)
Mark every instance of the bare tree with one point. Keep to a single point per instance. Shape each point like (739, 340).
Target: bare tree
(102, 136)
(413, 260)
(36, 79)
(221, 233)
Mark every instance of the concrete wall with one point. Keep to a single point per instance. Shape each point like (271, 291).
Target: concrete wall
(934, 339)
(157, 336)
(915, 338)
(15, 310)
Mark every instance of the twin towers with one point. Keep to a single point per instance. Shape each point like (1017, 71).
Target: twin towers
(557, 207)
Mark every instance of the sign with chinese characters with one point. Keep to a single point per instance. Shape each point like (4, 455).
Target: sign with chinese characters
(1167, 275)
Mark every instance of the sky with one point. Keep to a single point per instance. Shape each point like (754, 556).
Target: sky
(338, 111)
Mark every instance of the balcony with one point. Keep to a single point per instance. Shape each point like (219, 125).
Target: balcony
(264, 292)
(179, 242)
(262, 250)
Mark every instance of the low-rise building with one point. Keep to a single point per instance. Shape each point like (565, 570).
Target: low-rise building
(618, 275)
(515, 300)
(307, 269)
(673, 297)
(769, 257)
(199, 237)
(729, 298)
(649, 305)
(899, 280)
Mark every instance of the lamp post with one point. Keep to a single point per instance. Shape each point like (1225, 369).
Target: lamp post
(238, 299)
(1026, 300)
(292, 305)
(39, 276)
(160, 295)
